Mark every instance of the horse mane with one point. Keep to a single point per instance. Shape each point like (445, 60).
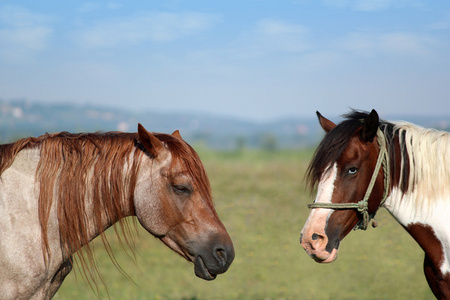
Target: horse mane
(101, 167)
(75, 168)
(426, 152)
(424, 168)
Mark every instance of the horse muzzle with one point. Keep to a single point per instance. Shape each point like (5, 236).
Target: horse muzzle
(319, 247)
(209, 263)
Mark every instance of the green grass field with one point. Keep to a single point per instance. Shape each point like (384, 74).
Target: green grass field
(261, 199)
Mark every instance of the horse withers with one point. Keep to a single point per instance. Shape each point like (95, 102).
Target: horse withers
(60, 191)
(364, 163)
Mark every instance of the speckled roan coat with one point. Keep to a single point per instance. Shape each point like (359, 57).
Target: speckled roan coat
(59, 191)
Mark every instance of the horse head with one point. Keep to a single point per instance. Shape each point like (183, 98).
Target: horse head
(173, 202)
(350, 186)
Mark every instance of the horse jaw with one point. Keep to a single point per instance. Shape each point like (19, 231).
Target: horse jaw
(200, 268)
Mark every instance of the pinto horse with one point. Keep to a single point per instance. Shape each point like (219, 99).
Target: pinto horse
(60, 191)
(364, 163)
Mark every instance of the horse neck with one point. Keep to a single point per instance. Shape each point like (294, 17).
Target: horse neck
(111, 197)
(420, 173)
(103, 211)
(91, 194)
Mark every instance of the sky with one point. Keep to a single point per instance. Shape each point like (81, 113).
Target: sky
(252, 59)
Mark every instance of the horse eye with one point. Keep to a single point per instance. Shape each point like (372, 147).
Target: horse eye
(352, 171)
(181, 189)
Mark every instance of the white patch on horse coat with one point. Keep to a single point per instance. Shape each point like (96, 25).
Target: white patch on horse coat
(314, 239)
(427, 200)
(325, 190)
(435, 214)
(326, 185)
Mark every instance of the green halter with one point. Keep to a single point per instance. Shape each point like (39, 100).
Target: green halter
(363, 205)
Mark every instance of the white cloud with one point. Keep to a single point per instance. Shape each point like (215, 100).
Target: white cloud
(113, 5)
(27, 38)
(273, 36)
(443, 24)
(23, 33)
(89, 7)
(270, 27)
(145, 27)
(371, 5)
(396, 43)
(15, 16)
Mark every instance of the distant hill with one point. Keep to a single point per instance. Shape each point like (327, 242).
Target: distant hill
(25, 118)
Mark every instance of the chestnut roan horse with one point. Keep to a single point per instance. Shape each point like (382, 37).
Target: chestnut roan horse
(60, 191)
(364, 163)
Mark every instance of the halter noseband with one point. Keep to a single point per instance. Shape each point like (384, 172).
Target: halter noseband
(363, 206)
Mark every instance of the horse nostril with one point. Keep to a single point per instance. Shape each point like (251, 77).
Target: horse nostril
(318, 241)
(221, 256)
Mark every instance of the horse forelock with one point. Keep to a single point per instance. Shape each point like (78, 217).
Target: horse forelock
(183, 153)
(330, 149)
(336, 141)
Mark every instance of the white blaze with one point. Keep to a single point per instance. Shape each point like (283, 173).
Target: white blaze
(324, 194)
(326, 185)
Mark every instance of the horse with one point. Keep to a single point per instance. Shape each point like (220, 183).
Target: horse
(365, 163)
(60, 191)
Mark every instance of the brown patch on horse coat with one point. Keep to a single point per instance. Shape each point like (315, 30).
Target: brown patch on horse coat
(434, 258)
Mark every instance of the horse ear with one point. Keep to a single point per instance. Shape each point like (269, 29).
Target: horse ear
(151, 143)
(177, 134)
(326, 124)
(370, 127)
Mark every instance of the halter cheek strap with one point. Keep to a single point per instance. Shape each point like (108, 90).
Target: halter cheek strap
(363, 206)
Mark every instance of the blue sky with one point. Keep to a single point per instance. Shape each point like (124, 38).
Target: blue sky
(253, 59)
